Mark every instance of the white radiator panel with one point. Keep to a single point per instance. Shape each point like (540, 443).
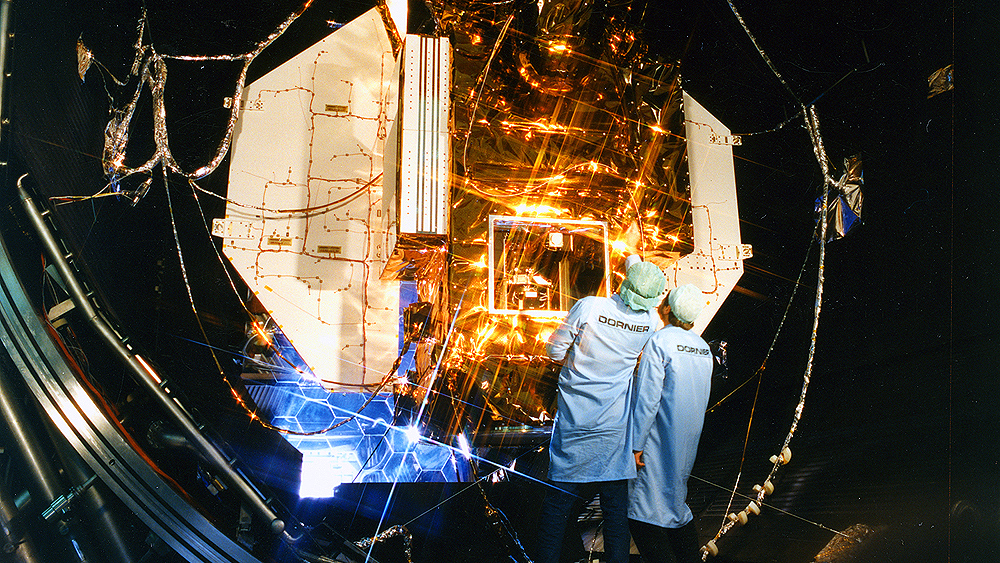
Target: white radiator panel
(309, 150)
(424, 139)
(716, 264)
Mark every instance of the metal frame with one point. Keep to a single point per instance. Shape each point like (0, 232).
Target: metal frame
(51, 379)
(540, 221)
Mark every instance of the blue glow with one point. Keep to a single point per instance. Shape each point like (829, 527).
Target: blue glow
(463, 446)
(324, 469)
(413, 433)
(367, 449)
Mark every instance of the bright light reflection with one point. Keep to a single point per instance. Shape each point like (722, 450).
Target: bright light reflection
(324, 470)
(463, 446)
(525, 209)
(148, 369)
(619, 246)
(412, 433)
(543, 335)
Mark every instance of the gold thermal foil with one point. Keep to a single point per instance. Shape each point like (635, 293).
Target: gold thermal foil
(568, 154)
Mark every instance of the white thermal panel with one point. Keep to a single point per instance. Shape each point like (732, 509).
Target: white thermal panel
(716, 263)
(305, 227)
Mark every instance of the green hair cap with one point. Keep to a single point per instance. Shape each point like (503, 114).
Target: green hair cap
(644, 282)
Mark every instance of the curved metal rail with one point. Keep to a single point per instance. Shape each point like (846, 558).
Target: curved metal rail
(86, 427)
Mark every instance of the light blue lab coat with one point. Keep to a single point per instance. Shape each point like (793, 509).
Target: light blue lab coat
(671, 394)
(599, 343)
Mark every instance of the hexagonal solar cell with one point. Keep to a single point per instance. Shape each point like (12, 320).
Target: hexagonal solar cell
(314, 415)
(433, 457)
(402, 467)
(364, 449)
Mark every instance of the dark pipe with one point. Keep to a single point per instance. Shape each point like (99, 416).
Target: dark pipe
(34, 456)
(101, 516)
(160, 436)
(142, 374)
(15, 546)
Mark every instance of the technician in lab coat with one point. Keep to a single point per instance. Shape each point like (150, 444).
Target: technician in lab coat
(598, 343)
(671, 394)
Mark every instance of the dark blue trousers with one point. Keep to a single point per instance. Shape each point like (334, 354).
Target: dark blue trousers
(558, 513)
(656, 543)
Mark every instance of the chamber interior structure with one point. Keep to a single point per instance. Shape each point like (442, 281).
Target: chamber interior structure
(542, 267)
(342, 261)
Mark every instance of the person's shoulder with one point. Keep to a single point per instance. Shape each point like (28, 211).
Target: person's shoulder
(586, 305)
(593, 301)
(619, 304)
(681, 338)
(695, 337)
(669, 333)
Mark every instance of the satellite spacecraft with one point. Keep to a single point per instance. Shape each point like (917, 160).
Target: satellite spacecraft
(354, 286)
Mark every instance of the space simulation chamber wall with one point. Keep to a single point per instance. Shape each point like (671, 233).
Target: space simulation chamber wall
(552, 160)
